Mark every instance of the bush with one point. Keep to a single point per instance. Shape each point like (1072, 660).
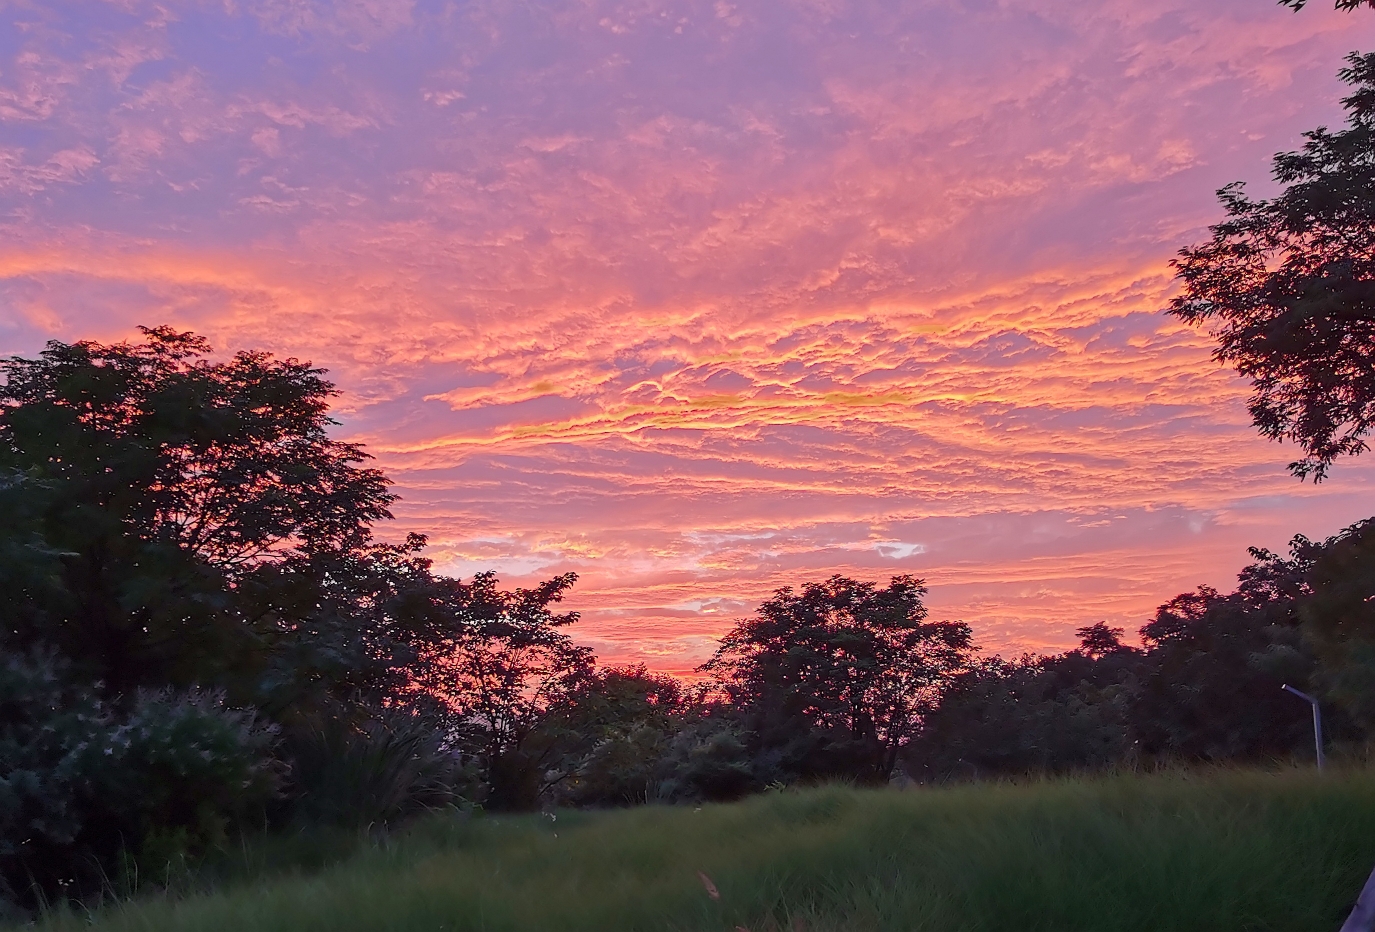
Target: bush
(707, 761)
(89, 793)
(623, 770)
(702, 760)
(379, 770)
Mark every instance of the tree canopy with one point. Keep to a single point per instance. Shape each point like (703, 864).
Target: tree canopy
(152, 487)
(833, 680)
(173, 519)
(505, 673)
(1287, 286)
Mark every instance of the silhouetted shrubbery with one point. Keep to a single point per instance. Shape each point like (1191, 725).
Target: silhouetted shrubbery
(89, 789)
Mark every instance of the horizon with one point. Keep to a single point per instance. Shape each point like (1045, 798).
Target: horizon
(699, 300)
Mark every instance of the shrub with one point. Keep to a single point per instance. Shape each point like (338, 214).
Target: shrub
(622, 770)
(89, 793)
(46, 726)
(707, 761)
(379, 770)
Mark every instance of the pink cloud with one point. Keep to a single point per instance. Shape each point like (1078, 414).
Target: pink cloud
(702, 299)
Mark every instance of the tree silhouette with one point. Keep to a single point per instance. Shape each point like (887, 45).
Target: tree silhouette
(160, 483)
(507, 673)
(1287, 286)
(833, 681)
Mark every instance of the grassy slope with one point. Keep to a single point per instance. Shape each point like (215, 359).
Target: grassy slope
(1223, 851)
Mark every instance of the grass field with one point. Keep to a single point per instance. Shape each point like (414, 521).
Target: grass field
(1244, 851)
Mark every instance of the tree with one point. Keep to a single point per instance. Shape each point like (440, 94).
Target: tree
(170, 520)
(1287, 285)
(356, 627)
(1030, 715)
(833, 681)
(1206, 686)
(1209, 684)
(156, 483)
(507, 673)
(1099, 639)
(84, 786)
(1339, 617)
(185, 542)
(617, 725)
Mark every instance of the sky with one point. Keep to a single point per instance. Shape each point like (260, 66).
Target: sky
(700, 298)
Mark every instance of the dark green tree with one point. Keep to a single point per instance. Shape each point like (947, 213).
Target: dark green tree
(84, 787)
(616, 726)
(1099, 640)
(833, 681)
(152, 484)
(510, 674)
(1209, 684)
(180, 534)
(1204, 687)
(1339, 618)
(1287, 286)
(1030, 715)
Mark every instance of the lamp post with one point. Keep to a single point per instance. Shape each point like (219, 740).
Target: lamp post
(1317, 720)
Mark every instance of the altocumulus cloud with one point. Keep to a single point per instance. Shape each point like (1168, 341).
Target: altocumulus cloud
(700, 299)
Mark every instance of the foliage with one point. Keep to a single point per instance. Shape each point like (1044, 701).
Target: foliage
(169, 520)
(1339, 618)
(622, 770)
(708, 760)
(357, 627)
(1288, 286)
(1032, 715)
(1205, 687)
(506, 674)
(833, 681)
(1209, 685)
(611, 701)
(30, 569)
(375, 772)
(1194, 852)
(155, 482)
(84, 785)
(636, 737)
(616, 728)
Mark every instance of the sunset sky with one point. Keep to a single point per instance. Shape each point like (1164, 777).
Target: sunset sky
(699, 299)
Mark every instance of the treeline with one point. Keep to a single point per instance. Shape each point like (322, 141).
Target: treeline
(1204, 686)
(201, 633)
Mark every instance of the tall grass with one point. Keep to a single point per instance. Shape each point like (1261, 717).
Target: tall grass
(1242, 850)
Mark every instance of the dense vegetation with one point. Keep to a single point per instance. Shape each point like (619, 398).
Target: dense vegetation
(1283, 852)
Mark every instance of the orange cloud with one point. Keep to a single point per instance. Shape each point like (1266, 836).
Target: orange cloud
(701, 302)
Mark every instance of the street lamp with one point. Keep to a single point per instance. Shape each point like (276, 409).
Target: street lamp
(1317, 720)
